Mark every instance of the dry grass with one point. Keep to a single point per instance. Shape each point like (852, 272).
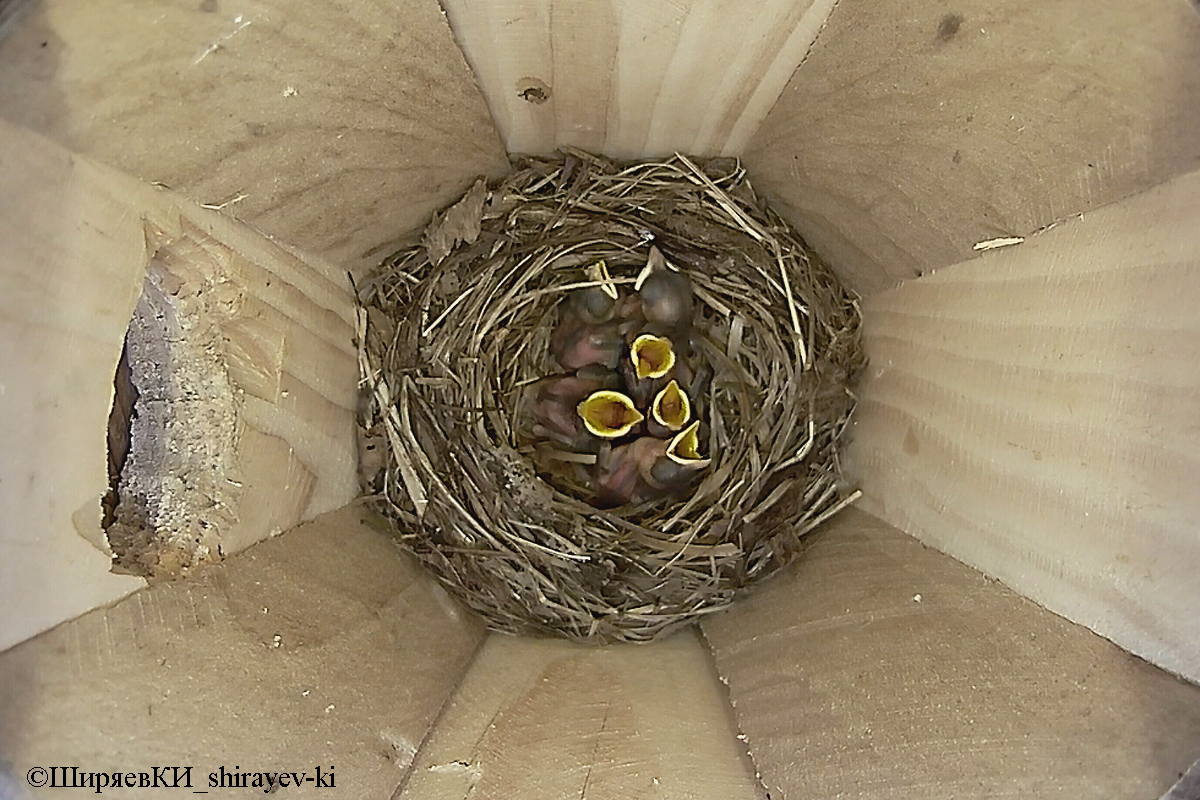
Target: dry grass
(452, 329)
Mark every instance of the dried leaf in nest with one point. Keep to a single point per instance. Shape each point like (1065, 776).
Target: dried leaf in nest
(460, 224)
(454, 332)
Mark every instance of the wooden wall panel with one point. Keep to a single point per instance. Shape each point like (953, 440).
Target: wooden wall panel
(332, 126)
(1036, 414)
(875, 668)
(915, 130)
(325, 646)
(77, 239)
(552, 719)
(630, 78)
(71, 265)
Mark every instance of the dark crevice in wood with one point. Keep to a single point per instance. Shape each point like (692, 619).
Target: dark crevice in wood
(120, 422)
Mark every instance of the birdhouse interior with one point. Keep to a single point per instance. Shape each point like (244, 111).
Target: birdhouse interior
(188, 188)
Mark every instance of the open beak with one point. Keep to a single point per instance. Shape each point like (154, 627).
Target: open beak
(653, 356)
(670, 410)
(609, 414)
(685, 447)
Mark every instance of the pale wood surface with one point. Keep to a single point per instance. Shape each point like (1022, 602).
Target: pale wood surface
(71, 267)
(291, 358)
(551, 719)
(77, 238)
(878, 668)
(1034, 414)
(630, 78)
(915, 130)
(324, 646)
(332, 126)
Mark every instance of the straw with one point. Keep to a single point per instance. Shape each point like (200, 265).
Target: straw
(453, 328)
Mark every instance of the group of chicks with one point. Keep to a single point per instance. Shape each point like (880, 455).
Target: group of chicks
(623, 408)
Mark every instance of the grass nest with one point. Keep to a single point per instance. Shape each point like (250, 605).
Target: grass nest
(455, 326)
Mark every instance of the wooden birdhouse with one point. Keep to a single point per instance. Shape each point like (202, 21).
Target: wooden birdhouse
(187, 189)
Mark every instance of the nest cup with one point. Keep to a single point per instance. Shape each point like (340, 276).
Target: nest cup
(455, 327)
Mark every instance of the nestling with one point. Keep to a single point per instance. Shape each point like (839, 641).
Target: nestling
(620, 477)
(555, 402)
(681, 463)
(650, 366)
(575, 343)
(648, 468)
(595, 305)
(666, 299)
(608, 414)
(669, 411)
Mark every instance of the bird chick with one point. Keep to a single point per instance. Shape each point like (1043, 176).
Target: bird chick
(586, 333)
(650, 366)
(665, 296)
(576, 344)
(620, 476)
(555, 401)
(680, 463)
(648, 469)
(595, 305)
(608, 414)
(669, 411)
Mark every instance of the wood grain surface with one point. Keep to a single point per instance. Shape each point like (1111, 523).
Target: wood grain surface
(325, 646)
(877, 668)
(1034, 413)
(77, 240)
(633, 79)
(333, 126)
(914, 131)
(71, 270)
(552, 719)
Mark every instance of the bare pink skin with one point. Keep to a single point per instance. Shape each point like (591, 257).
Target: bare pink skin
(622, 478)
(554, 408)
(576, 344)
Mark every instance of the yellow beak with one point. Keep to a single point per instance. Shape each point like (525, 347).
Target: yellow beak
(599, 272)
(671, 407)
(685, 447)
(609, 414)
(653, 356)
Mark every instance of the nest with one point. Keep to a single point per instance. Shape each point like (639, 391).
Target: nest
(452, 329)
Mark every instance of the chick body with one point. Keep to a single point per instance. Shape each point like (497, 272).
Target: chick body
(665, 302)
(575, 344)
(620, 478)
(555, 407)
(648, 468)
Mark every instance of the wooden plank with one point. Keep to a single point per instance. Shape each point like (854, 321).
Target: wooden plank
(77, 241)
(1033, 413)
(325, 646)
(914, 131)
(634, 79)
(551, 719)
(335, 127)
(70, 272)
(877, 668)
